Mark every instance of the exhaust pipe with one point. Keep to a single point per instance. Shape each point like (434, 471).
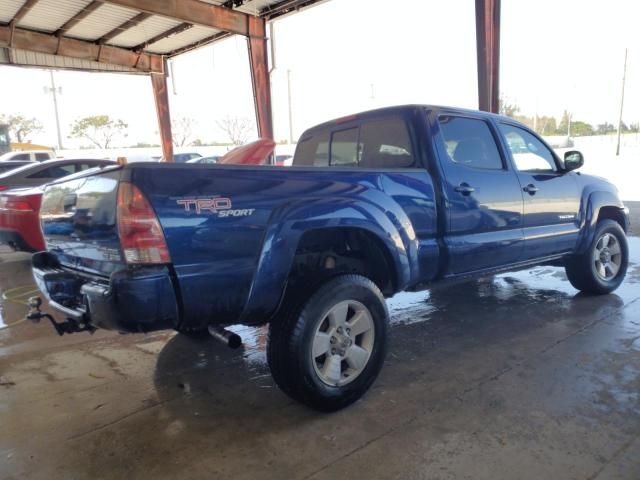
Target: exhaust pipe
(232, 340)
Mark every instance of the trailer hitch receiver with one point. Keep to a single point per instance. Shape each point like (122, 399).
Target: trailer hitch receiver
(70, 325)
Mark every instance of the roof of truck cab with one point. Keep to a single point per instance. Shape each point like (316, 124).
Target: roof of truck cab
(402, 109)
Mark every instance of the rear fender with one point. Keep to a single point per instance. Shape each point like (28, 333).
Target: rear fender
(289, 223)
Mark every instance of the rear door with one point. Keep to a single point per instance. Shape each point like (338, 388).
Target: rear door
(551, 196)
(483, 198)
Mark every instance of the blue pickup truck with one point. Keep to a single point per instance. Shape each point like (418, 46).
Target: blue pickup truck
(376, 203)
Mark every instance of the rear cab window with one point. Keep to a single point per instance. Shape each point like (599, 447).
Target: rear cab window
(469, 142)
(379, 142)
(41, 157)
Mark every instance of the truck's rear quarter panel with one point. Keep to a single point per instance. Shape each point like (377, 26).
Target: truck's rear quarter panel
(230, 263)
(215, 258)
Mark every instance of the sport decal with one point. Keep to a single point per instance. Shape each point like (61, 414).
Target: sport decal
(220, 206)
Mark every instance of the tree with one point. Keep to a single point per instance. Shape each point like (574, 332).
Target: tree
(182, 129)
(604, 128)
(634, 127)
(237, 129)
(563, 127)
(546, 125)
(20, 126)
(98, 129)
(581, 129)
(507, 108)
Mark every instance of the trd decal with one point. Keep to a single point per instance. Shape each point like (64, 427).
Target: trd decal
(220, 206)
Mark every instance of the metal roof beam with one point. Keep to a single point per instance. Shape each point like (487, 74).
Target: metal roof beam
(488, 53)
(78, 17)
(193, 11)
(70, 47)
(23, 10)
(172, 31)
(132, 22)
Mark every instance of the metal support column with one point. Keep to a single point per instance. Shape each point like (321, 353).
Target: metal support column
(488, 49)
(258, 59)
(161, 97)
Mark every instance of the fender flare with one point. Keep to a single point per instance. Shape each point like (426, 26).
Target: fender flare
(596, 201)
(287, 225)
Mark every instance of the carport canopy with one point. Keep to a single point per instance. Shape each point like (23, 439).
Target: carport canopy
(137, 37)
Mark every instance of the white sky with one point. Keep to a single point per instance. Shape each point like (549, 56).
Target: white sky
(351, 55)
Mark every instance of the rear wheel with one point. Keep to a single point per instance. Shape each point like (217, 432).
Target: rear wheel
(603, 266)
(327, 348)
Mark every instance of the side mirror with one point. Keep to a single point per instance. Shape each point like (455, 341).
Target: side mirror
(573, 160)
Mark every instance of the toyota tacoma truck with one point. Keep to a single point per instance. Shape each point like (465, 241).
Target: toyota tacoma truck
(395, 199)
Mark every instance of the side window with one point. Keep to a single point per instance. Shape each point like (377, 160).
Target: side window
(41, 157)
(529, 153)
(344, 148)
(469, 142)
(385, 143)
(313, 151)
(83, 166)
(21, 156)
(58, 171)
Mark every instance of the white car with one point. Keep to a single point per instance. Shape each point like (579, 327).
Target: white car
(30, 155)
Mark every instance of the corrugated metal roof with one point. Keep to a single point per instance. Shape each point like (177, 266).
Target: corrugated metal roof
(25, 57)
(8, 9)
(103, 20)
(188, 37)
(50, 15)
(144, 31)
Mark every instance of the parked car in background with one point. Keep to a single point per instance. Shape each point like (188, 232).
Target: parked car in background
(36, 174)
(211, 159)
(185, 157)
(19, 222)
(13, 164)
(31, 155)
(376, 203)
(19, 209)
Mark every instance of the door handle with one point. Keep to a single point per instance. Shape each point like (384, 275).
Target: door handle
(465, 189)
(531, 189)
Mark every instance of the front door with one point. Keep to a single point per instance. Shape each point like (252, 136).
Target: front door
(482, 194)
(551, 196)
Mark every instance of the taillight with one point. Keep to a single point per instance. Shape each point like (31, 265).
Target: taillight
(25, 203)
(3, 187)
(140, 233)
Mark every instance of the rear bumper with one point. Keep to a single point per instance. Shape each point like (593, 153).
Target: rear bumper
(140, 300)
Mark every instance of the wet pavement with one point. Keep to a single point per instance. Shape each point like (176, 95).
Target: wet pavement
(514, 377)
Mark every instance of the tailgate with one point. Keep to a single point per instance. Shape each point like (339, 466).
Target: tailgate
(78, 219)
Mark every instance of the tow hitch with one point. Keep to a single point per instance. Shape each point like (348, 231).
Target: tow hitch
(70, 325)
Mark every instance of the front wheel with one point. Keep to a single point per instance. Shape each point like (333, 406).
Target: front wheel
(328, 347)
(603, 266)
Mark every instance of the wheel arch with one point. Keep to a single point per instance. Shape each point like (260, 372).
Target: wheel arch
(600, 205)
(296, 225)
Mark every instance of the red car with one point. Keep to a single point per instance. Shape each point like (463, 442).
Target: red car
(19, 221)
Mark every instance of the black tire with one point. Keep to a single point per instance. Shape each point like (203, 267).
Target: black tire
(581, 269)
(291, 337)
